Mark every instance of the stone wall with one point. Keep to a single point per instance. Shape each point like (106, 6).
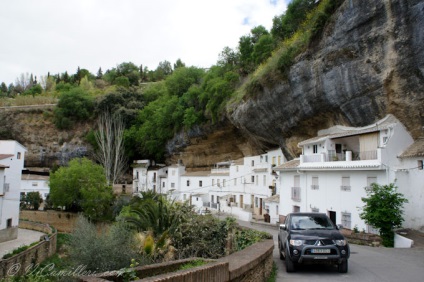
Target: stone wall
(23, 262)
(8, 234)
(253, 264)
(62, 221)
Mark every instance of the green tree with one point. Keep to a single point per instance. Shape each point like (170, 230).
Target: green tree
(3, 88)
(33, 200)
(74, 105)
(82, 185)
(179, 64)
(383, 210)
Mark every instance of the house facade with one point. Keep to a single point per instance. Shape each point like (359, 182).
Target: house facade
(11, 164)
(410, 182)
(35, 181)
(336, 167)
(237, 187)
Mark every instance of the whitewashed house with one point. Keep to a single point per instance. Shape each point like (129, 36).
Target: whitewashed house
(195, 188)
(11, 164)
(35, 181)
(336, 166)
(410, 182)
(149, 176)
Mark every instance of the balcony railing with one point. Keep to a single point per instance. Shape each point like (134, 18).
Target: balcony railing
(315, 187)
(295, 194)
(345, 188)
(206, 204)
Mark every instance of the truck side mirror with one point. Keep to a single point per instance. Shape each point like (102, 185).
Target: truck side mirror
(283, 227)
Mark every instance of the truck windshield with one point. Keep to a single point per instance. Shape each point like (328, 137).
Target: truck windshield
(311, 223)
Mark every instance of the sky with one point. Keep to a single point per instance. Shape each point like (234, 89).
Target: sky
(61, 35)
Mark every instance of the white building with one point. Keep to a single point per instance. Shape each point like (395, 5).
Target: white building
(11, 164)
(35, 181)
(236, 187)
(410, 181)
(336, 166)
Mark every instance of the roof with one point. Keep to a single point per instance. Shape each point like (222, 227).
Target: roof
(197, 173)
(288, 165)
(5, 156)
(339, 131)
(239, 162)
(274, 199)
(415, 150)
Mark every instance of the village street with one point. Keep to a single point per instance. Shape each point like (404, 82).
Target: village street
(365, 264)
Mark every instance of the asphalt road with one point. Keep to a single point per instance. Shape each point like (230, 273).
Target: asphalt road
(365, 264)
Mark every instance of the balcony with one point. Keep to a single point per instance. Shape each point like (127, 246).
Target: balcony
(345, 188)
(315, 187)
(332, 156)
(295, 194)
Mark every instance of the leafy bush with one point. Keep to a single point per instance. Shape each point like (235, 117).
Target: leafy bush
(248, 237)
(110, 249)
(383, 210)
(74, 105)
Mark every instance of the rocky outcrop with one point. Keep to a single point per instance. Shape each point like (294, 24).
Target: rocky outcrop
(369, 62)
(46, 146)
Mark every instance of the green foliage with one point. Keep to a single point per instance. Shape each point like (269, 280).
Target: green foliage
(82, 186)
(110, 249)
(193, 263)
(74, 105)
(31, 200)
(383, 210)
(248, 237)
(182, 79)
(122, 81)
(153, 213)
(19, 250)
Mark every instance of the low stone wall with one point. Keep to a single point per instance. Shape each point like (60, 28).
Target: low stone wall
(62, 221)
(8, 234)
(253, 264)
(21, 263)
(361, 238)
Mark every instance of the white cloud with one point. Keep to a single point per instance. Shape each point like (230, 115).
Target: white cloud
(57, 36)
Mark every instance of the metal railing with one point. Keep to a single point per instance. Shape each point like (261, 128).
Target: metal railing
(314, 187)
(345, 188)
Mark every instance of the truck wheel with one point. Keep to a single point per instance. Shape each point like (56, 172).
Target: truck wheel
(343, 267)
(289, 264)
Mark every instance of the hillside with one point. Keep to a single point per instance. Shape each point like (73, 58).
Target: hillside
(367, 62)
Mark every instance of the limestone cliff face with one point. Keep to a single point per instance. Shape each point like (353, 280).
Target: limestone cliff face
(368, 63)
(33, 127)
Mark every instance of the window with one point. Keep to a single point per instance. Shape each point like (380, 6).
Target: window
(345, 183)
(315, 149)
(200, 183)
(276, 210)
(273, 161)
(420, 164)
(370, 180)
(295, 194)
(213, 182)
(346, 220)
(154, 177)
(253, 179)
(163, 184)
(218, 182)
(264, 180)
(35, 184)
(256, 202)
(9, 223)
(253, 163)
(315, 185)
(18, 156)
(223, 182)
(266, 159)
(188, 183)
(212, 199)
(338, 148)
(136, 175)
(172, 185)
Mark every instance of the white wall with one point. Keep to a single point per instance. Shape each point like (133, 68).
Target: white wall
(40, 186)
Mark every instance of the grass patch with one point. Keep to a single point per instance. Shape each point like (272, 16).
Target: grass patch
(273, 276)
(193, 263)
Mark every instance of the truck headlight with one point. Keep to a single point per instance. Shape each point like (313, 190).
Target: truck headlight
(296, 243)
(341, 243)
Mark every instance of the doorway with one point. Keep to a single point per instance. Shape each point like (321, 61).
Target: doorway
(332, 215)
